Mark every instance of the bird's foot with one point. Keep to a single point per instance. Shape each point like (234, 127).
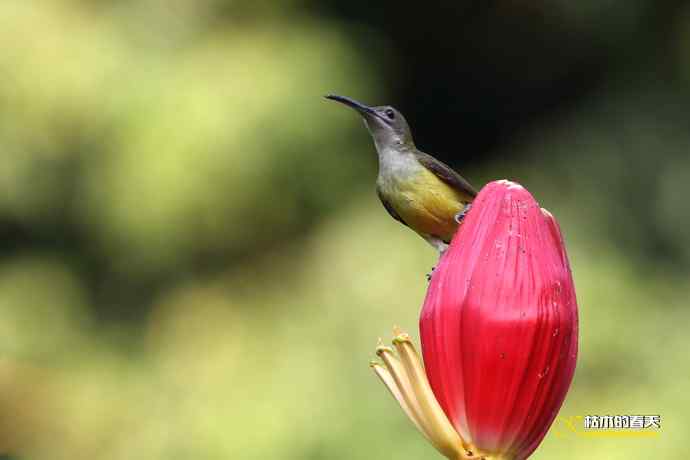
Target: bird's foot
(461, 215)
(428, 275)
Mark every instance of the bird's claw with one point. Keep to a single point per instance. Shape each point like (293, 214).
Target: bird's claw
(428, 275)
(461, 215)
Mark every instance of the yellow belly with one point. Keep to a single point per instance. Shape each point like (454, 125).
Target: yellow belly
(425, 203)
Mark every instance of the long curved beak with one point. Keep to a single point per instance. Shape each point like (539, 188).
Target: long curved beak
(358, 106)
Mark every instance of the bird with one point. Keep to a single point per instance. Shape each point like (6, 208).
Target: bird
(415, 188)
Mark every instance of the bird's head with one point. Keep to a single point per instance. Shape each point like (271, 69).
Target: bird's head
(387, 126)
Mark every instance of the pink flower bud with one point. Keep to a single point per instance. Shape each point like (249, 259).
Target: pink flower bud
(499, 324)
(498, 330)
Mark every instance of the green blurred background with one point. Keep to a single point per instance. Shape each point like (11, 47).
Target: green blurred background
(193, 262)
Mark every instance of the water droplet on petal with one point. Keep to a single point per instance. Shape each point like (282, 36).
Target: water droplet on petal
(502, 355)
(555, 332)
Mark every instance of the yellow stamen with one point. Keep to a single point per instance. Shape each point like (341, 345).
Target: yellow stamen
(443, 434)
(389, 382)
(402, 381)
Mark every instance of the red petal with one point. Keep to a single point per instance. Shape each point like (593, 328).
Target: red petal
(499, 324)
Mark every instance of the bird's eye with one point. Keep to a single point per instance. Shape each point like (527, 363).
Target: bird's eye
(390, 114)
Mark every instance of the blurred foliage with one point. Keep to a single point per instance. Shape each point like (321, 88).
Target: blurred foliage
(194, 265)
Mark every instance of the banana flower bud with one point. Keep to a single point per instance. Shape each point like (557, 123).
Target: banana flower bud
(498, 330)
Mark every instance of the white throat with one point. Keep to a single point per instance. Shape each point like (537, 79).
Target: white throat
(396, 163)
